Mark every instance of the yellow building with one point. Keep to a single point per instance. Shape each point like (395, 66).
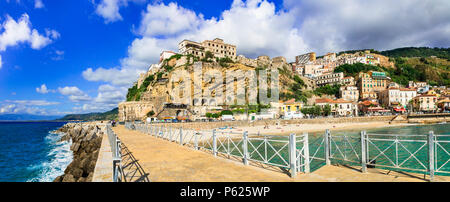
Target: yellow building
(290, 106)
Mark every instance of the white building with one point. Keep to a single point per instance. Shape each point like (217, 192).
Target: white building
(350, 93)
(392, 97)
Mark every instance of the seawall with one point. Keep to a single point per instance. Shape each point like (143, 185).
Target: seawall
(86, 141)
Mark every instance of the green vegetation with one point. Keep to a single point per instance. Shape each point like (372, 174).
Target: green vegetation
(354, 69)
(296, 91)
(224, 61)
(316, 110)
(328, 90)
(150, 113)
(134, 94)
(226, 112)
(443, 53)
(109, 115)
(435, 71)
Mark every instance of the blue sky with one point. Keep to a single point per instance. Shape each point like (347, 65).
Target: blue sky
(82, 55)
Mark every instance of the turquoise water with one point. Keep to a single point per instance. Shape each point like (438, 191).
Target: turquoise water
(30, 152)
(346, 148)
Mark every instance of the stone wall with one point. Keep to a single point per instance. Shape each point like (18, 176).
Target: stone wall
(130, 111)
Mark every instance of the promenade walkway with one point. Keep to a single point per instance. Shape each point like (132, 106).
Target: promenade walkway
(170, 162)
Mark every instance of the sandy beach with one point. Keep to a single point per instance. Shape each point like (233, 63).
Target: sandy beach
(286, 129)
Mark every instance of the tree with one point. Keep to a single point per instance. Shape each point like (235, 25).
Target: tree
(150, 113)
(327, 110)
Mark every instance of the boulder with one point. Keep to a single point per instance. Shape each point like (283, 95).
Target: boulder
(68, 178)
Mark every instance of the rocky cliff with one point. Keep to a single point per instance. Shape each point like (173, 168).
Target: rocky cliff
(86, 141)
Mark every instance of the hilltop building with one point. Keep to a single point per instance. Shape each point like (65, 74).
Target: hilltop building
(216, 47)
(330, 79)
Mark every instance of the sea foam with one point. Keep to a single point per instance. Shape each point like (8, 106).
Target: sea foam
(58, 158)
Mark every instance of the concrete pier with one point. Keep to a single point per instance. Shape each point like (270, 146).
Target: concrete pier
(170, 162)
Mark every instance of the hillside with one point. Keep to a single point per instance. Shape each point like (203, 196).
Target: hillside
(109, 115)
(410, 52)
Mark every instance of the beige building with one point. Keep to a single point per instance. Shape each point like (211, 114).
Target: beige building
(425, 103)
(216, 47)
(331, 79)
(349, 93)
(339, 107)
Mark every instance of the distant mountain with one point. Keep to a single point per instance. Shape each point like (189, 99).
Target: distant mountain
(26, 117)
(109, 115)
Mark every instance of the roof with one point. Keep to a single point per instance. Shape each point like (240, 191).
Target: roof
(291, 101)
(342, 101)
(324, 100)
(368, 103)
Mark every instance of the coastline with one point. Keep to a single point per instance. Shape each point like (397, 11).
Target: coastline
(85, 141)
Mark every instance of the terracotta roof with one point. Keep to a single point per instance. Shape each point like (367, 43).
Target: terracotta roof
(408, 89)
(324, 100)
(342, 101)
(291, 101)
(368, 102)
(425, 95)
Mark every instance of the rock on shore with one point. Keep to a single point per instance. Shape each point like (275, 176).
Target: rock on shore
(86, 142)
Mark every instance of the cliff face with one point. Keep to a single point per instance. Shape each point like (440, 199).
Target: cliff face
(86, 141)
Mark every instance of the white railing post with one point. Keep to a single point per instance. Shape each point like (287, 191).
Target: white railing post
(170, 135)
(306, 152)
(161, 131)
(327, 146)
(431, 155)
(292, 155)
(196, 140)
(245, 148)
(181, 135)
(363, 152)
(214, 142)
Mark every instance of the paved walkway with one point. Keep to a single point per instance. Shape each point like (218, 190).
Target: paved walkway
(170, 162)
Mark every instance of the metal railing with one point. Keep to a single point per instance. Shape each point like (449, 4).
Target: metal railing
(427, 154)
(118, 175)
(283, 152)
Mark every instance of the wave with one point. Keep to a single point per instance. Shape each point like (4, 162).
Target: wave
(58, 158)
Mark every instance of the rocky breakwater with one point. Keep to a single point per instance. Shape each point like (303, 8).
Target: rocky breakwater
(86, 140)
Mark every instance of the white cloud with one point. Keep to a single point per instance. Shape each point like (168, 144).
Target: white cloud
(44, 90)
(32, 102)
(258, 28)
(351, 24)
(254, 26)
(108, 94)
(38, 4)
(74, 94)
(1, 64)
(20, 31)
(109, 9)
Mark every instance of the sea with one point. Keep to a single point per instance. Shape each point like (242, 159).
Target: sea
(31, 152)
